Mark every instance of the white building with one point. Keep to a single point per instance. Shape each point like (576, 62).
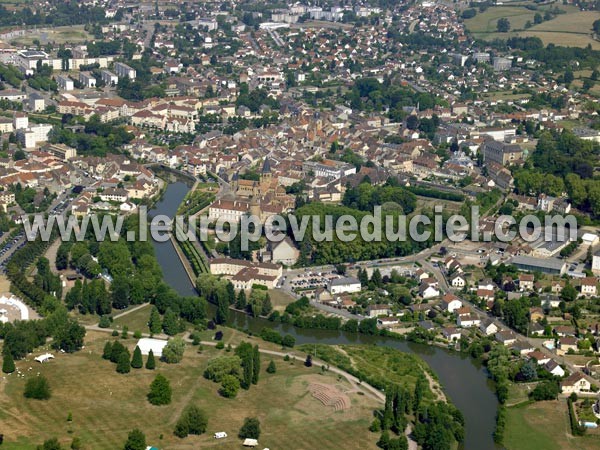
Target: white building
(65, 83)
(35, 134)
(450, 303)
(468, 320)
(36, 102)
(20, 121)
(87, 79)
(488, 327)
(109, 78)
(344, 285)
(28, 59)
(124, 71)
(588, 286)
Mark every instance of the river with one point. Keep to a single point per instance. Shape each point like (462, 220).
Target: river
(464, 381)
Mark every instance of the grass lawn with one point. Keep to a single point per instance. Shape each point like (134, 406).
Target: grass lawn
(543, 426)
(519, 393)
(135, 321)
(106, 405)
(380, 365)
(280, 299)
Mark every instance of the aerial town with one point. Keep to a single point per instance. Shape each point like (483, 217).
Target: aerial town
(116, 115)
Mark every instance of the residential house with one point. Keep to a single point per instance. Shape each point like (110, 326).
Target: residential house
(488, 327)
(588, 286)
(506, 337)
(522, 347)
(554, 368)
(575, 383)
(536, 313)
(468, 320)
(526, 282)
(450, 303)
(566, 344)
(378, 310)
(458, 281)
(451, 334)
(428, 291)
(540, 358)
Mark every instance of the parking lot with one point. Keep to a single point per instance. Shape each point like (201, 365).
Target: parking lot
(308, 280)
(8, 247)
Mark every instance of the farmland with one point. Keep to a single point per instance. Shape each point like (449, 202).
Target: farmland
(570, 29)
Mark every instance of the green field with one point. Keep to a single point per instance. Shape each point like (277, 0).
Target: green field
(485, 23)
(543, 425)
(377, 365)
(136, 320)
(570, 29)
(105, 405)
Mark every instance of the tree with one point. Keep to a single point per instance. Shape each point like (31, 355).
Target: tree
(376, 278)
(568, 77)
(76, 444)
(192, 421)
(137, 362)
(412, 122)
(528, 371)
(271, 368)
(37, 388)
(568, 293)
(8, 363)
(546, 390)
(123, 364)
(267, 307)
(230, 385)
(308, 361)
(173, 351)
(160, 391)
(69, 337)
(288, 341)
(255, 365)
(241, 301)
(136, 440)
(170, 324)
(222, 315)
(150, 362)
(154, 323)
(107, 352)
(250, 429)
(503, 25)
(104, 322)
(50, 444)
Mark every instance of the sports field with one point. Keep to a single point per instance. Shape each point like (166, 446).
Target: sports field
(58, 35)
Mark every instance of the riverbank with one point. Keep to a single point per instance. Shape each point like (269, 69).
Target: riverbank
(465, 382)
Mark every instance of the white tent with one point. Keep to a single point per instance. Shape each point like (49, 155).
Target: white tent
(45, 357)
(15, 302)
(156, 345)
(250, 442)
